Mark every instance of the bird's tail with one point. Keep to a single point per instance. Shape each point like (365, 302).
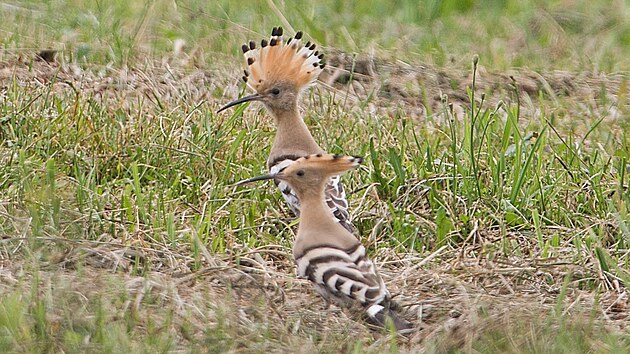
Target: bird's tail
(379, 314)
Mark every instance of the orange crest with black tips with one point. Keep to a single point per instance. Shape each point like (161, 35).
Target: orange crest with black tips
(276, 60)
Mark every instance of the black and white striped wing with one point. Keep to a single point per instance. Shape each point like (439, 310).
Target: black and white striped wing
(289, 195)
(337, 202)
(345, 277)
(348, 277)
(335, 194)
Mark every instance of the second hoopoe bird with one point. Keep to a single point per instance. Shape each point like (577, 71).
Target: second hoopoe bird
(278, 71)
(326, 253)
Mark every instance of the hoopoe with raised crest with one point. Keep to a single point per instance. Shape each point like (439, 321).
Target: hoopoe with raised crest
(326, 253)
(278, 72)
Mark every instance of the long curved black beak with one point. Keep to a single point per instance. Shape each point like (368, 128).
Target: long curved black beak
(254, 179)
(254, 97)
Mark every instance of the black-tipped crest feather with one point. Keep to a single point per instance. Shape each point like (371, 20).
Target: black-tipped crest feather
(275, 61)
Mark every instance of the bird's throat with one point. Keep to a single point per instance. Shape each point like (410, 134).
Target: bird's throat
(293, 136)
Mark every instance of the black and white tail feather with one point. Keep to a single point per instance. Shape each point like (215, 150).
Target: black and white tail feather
(334, 193)
(347, 277)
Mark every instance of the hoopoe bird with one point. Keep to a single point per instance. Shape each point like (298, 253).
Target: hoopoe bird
(278, 72)
(325, 252)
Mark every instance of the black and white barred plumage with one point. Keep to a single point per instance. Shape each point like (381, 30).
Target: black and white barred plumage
(347, 277)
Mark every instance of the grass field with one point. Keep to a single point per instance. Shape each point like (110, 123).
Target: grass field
(494, 196)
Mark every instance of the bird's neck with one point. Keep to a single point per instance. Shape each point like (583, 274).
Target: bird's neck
(292, 136)
(316, 214)
(316, 218)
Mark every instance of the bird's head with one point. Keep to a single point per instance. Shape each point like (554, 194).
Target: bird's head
(278, 71)
(308, 175)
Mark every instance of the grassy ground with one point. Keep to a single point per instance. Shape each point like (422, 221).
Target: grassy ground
(494, 196)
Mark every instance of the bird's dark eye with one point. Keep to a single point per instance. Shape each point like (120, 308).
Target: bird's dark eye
(300, 173)
(275, 91)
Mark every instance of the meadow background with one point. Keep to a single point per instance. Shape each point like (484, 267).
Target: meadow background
(494, 194)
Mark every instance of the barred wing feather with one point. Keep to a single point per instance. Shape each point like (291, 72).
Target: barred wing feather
(348, 277)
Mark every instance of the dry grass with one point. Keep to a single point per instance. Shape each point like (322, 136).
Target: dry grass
(256, 304)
